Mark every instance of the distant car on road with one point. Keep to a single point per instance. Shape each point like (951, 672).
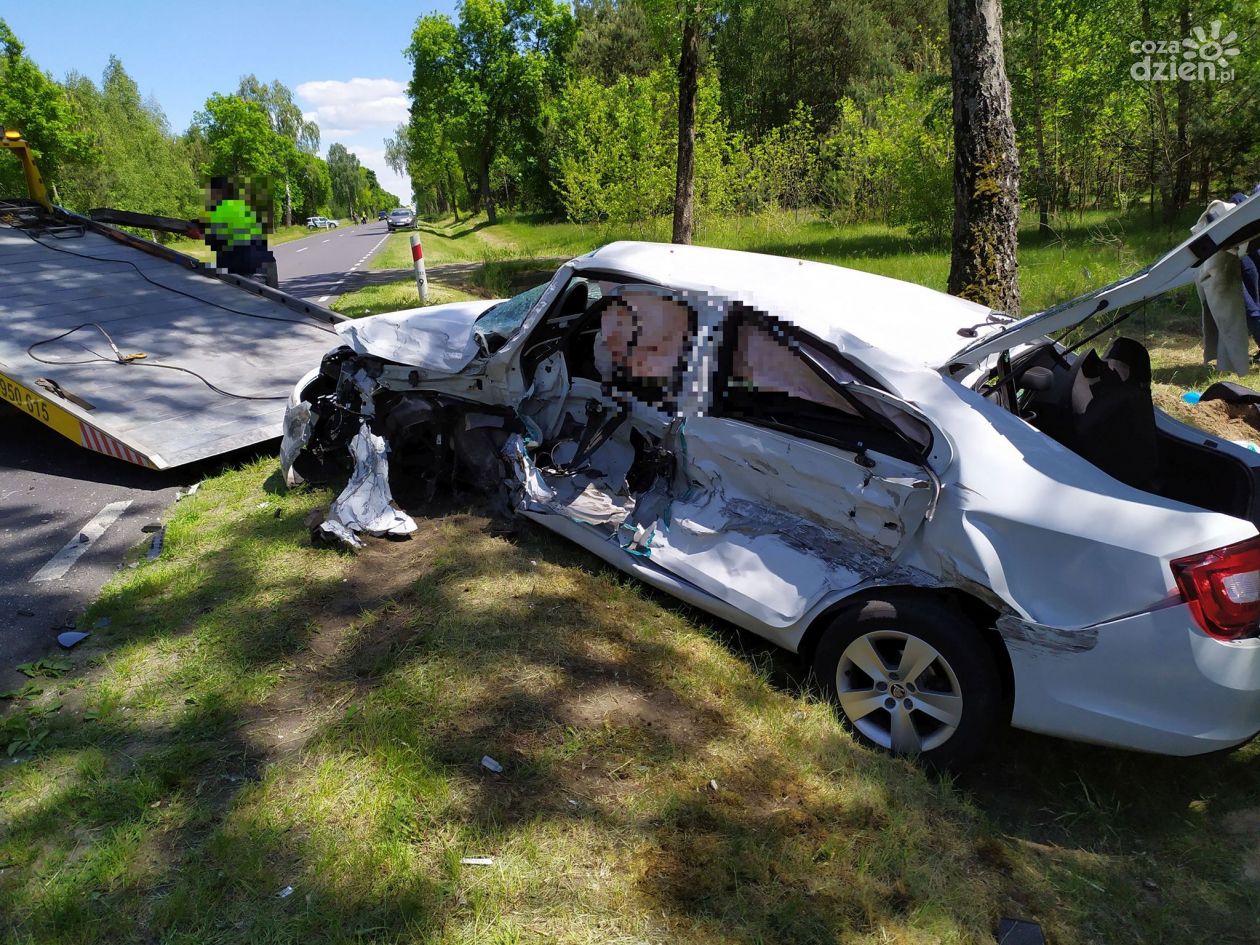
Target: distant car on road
(320, 223)
(381, 215)
(401, 219)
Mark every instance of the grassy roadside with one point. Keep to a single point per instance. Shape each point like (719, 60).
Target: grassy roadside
(1083, 251)
(260, 714)
(393, 296)
(254, 714)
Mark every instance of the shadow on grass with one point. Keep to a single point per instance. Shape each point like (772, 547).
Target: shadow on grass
(317, 723)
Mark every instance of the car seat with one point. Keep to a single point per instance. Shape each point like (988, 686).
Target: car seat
(1111, 417)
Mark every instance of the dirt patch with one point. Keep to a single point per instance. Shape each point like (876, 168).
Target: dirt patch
(614, 704)
(1227, 421)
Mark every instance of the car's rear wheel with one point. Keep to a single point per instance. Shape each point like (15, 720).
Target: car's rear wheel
(912, 677)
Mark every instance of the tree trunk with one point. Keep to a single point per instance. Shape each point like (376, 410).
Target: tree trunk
(450, 186)
(1181, 155)
(688, 80)
(288, 204)
(983, 266)
(1205, 149)
(487, 195)
(1044, 194)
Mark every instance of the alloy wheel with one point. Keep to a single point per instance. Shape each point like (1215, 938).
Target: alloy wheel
(899, 691)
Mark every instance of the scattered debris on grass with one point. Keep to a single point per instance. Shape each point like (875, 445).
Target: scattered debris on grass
(72, 638)
(477, 861)
(155, 546)
(1019, 932)
(491, 765)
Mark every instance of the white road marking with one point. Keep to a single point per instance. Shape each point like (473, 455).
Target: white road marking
(326, 241)
(323, 298)
(303, 249)
(83, 539)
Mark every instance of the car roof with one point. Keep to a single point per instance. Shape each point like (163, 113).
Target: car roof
(906, 324)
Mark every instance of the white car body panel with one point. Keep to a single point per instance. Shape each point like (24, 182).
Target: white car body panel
(772, 531)
(437, 340)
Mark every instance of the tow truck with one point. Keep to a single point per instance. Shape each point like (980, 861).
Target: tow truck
(132, 349)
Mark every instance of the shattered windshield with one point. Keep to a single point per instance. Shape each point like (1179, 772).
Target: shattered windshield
(506, 317)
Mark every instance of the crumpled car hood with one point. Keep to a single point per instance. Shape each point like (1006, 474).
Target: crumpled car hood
(436, 339)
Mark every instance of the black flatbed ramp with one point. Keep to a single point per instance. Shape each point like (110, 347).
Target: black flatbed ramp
(61, 271)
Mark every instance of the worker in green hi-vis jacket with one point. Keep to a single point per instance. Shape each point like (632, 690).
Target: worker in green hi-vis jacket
(234, 232)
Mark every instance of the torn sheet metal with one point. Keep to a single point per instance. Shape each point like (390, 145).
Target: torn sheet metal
(366, 505)
(535, 494)
(297, 432)
(438, 340)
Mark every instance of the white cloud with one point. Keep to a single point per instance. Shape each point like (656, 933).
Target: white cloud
(342, 108)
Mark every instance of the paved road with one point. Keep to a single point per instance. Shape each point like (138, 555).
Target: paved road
(323, 266)
(52, 491)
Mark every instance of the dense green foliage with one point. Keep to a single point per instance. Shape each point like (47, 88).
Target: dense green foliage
(106, 146)
(843, 107)
(571, 112)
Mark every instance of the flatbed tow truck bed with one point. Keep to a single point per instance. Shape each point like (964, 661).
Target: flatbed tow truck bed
(67, 282)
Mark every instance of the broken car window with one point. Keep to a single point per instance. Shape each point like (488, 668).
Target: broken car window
(499, 322)
(769, 381)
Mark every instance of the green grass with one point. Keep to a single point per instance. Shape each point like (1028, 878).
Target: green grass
(259, 714)
(1086, 250)
(392, 296)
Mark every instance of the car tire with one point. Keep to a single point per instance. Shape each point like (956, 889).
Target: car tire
(950, 709)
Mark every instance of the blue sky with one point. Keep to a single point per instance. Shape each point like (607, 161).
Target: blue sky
(342, 59)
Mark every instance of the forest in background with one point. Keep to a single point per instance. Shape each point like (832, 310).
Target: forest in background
(843, 108)
(107, 146)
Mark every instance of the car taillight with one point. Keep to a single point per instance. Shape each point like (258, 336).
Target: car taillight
(1222, 588)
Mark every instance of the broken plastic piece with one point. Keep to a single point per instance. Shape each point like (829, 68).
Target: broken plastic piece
(192, 490)
(155, 546)
(1019, 932)
(72, 637)
(285, 893)
(491, 765)
(477, 861)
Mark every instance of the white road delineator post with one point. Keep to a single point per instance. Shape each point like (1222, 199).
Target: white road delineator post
(417, 259)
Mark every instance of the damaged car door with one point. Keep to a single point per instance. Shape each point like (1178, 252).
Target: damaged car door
(605, 368)
(761, 470)
(799, 480)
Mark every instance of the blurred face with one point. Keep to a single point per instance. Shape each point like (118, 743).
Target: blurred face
(646, 336)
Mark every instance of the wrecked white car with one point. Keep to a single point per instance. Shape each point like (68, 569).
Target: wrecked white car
(961, 522)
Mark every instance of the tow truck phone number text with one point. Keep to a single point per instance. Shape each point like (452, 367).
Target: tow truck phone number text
(33, 405)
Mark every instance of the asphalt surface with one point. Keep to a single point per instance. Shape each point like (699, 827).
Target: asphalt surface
(68, 516)
(323, 266)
